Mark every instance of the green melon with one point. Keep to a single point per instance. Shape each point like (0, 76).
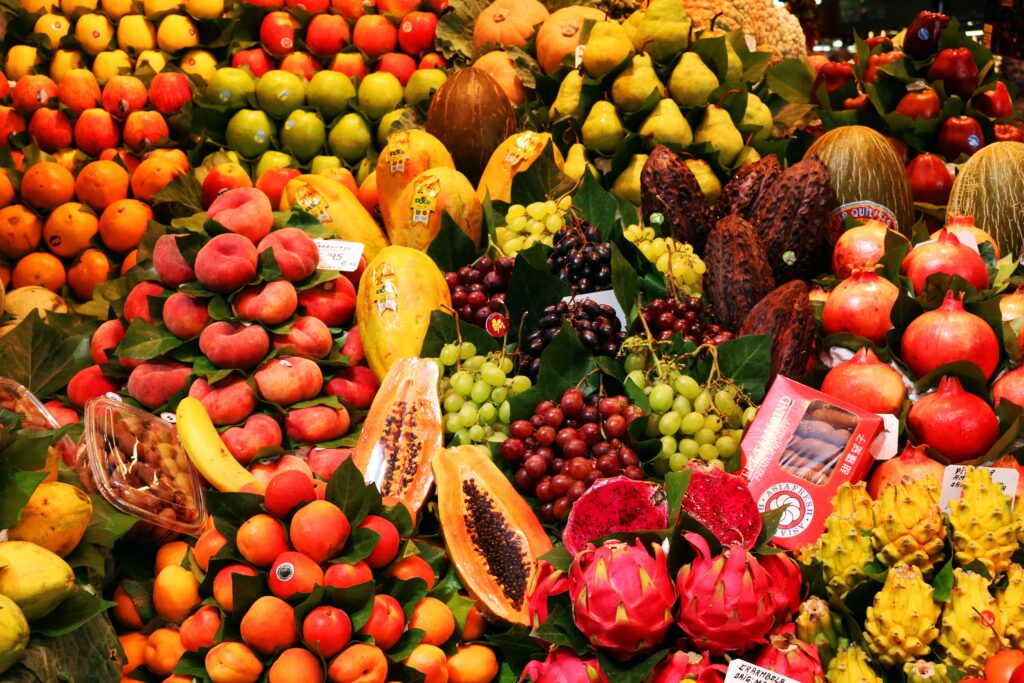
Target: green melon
(990, 187)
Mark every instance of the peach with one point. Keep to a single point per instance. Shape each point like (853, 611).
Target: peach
(295, 252)
(342, 575)
(137, 304)
(223, 584)
(207, 547)
(198, 631)
(144, 130)
(263, 472)
(413, 567)
(151, 384)
(62, 414)
(232, 663)
(430, 661)
(169, 91)
(292, 462)
(386, 622)
(286, 491)
(316, 423)
(95, 131)
(169, 263)
(261, 539)
(351, 64)
(355, 386)
(227, 262)
(323, 461)
(359, 663)
(296, 664)
(269, 625)
(185, 315)
(318, 529)
(353, 347)
(51, 129)
(326, 630)
(228, 401)
(223, 178)
(259, 432)
(288, 380)
(89, 383)
(334, 302)
(245, 211)
(271, 303)
(123, 95)
(308, 337)
(106, 337)
(293, 573)
(272, 181)
(302, 64)
(387, 547)
(234, 345)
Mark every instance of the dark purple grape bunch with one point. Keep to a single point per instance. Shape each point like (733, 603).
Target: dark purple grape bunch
(597, 325)
(580, 258)
(479, 290)
(666, 317)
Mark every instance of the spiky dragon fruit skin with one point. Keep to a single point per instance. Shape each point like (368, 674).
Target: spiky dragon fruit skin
(563, 666)
(680, 666)
(900, 623)
(909, 528)
(815, 624)
(544, 583)
(723, 504)
(1010, 601)
(972, 626)
(851, 666)
(921, 671)
(853, 501)
(787, 584)
(787, 655)
(725, 602)
(622, 597)
(611, 506)
(844, 554)
(984, 527)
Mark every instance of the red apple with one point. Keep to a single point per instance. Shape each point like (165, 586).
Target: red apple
(169, 91)
(416, 33)
(930, 180)
(374, 35)
(400, 65)
(923, 104)
(351, 64)
(327, 34)
(256, 59)
(277, 33)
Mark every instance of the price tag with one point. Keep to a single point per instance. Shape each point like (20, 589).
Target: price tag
(607, 297)
(339, 255)
(740, 671)
(577, 56)
(751, 42)
(953, 481)
(887, 443)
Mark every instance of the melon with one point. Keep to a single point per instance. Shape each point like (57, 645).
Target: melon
(560, 34)
(471, 115)
(990, 187)
(508, 22)
(864, 167)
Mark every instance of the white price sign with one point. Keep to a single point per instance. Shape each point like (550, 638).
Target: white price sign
(953, 481)
(338, 255)
(740, 671)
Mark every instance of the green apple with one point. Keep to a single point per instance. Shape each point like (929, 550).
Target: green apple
(350, 138)
(384, 127)
(231, 88)
(274, 159)
(330, 93)
(323, 164)
(250, 133)
(422, 85)
(379, 93)
(279, 93)
(303, 134)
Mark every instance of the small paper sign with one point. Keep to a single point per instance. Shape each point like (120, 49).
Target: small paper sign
(578, 56)
(169, 418)
(740, 671)
(607, 297)
(953, 480)
(887, 443)
(339, 255)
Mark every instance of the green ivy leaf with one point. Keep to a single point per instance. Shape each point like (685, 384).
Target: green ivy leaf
(360, 544)
(348, 490)
(531, 286)
(144, 340)
(676, 484)
(90, 652)
(595, 205)
(74, 611)
(633, 671)
(543, 180)
(563, 365)
(747, 361)
(791, 79)
(624, 284)
(40, 358)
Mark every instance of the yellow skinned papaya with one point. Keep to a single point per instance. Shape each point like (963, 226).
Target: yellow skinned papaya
(407, 154)
(424, 201)
(337, 208)
(55, 517)
(34, 578)
(516, 154)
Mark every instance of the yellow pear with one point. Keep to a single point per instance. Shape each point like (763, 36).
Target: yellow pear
(718, 130)
(607, 48)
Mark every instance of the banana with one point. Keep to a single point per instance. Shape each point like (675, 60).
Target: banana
(207, 451)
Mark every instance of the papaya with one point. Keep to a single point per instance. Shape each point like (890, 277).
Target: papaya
(14, 633)
(55, 517)
(337, 207)
(398, 291)
(516, 154)
(407, 154)
(424, 202)
(402, 432)
(34, 578)
(493, 537)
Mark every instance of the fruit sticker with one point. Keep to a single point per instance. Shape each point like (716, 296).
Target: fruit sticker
(496, 325)
(861, 211)
(385, 288)
(424, 198)
(398, 151)
(526, 144)
(313, 203)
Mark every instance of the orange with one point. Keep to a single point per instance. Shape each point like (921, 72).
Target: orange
(134, 646)
(472, 664)
(124, 610)
(168, 554)
(20, 231)
(47, 185)
(151, 176)
(129, 261)
(175, 593)
(39, 268)
(101, 183)
(435, 619)
(163, 650)
(175, 156)
(430, 661)
(359, 663)
(412, 567)
(475, 624)
(123, 224)
(91, 269)
(69, 229)
(6, 189)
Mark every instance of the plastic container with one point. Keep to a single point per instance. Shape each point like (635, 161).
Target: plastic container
(17, 399)
(139, 466)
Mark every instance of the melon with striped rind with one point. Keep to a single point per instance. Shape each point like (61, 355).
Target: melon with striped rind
(990, 187)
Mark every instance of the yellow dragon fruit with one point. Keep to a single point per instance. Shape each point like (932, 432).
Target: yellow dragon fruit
(1010, 601)
(908, 526)
(844, 553)
(851, 665)
(972, 625)
(1018, 516)
(984, 528)
(920, 671)
(815, 624)
(853, 501)
(900, 623)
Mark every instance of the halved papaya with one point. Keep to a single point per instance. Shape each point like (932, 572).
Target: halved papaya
(402, 432)
(494, 539)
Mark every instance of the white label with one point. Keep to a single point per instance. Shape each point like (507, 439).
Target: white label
(284, 363)
(339, 255)
(578, 56)
(744, 672)
(888, 442)
(169, 418)
(953, 480)
(113, 396)
(604, 297)
(751, 42)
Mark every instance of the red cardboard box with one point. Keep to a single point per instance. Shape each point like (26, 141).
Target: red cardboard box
(800, 448)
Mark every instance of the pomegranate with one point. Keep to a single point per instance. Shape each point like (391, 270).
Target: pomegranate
(945, 255)
(958, 223)
(1010, 386)
(948, 334)
(913, 463)
(956, 423)
(1012, 305)
(859, 247)
(866, 382)
(861, 305)
(1010, 461)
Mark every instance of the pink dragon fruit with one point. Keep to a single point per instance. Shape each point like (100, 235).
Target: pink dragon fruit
(563, 666)
(611, 506)
(723, 504)
(680, 666)
(544, 583)
(725, 602)
(787, 655)
(622, 597)
(787, 584)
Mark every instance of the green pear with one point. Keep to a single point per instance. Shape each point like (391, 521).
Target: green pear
(627, 185)
(576, 163)
(607, 47)
(666, 123)
(664, 31)
(630, 26)
(602, 131)
(734, 65)
(635, 84)
(567, 101)
(758, 114)
(718, 130)
(691, 82)
(709, 183)
(748, 156)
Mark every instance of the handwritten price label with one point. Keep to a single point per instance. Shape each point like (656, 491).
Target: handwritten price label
(338, 255)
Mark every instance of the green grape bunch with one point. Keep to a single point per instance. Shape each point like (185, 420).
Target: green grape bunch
(532, 224)
(672, 258)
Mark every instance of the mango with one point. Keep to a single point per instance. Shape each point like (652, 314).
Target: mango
(337, 207)
(55, 517)
(34, 578)
(516, 154)
(398, 291)
(14, 633)
(407, 154)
